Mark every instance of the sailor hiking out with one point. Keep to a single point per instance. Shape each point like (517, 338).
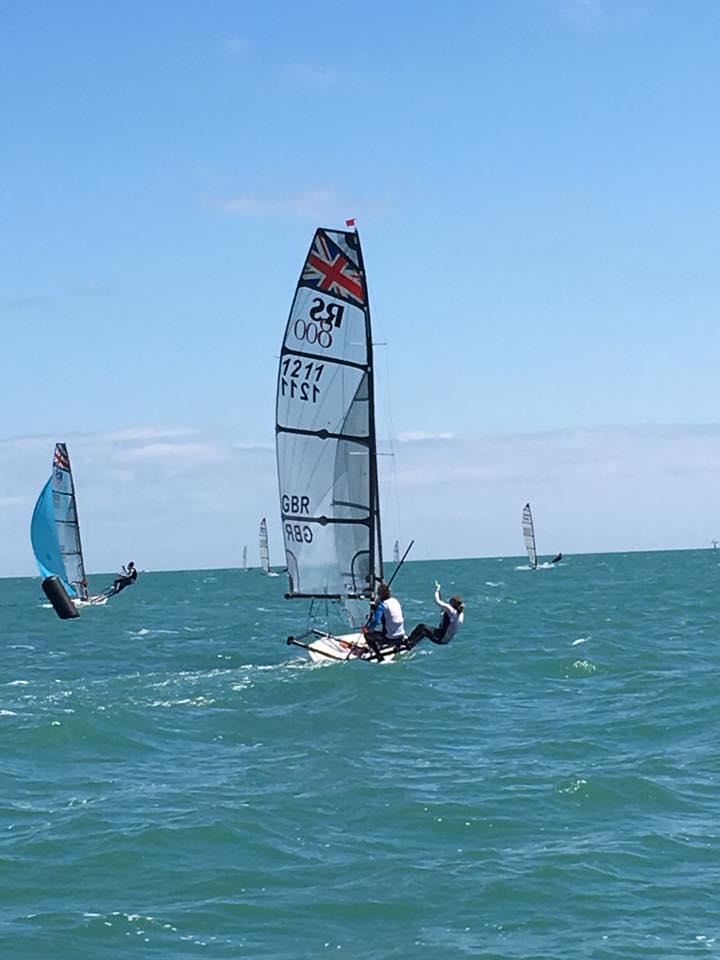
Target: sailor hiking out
(126, 578)
(452, 619)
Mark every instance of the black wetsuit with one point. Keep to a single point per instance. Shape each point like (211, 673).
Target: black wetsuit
(423, 632)
(124, 580)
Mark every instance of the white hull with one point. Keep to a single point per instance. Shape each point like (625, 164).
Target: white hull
(98, 601)
(328, 648)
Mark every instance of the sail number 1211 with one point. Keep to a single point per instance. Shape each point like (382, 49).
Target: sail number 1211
(300, 379)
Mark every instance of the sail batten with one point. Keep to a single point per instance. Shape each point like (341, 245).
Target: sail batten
(325, 428)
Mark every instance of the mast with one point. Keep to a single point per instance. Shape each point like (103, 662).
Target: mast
(376, 562)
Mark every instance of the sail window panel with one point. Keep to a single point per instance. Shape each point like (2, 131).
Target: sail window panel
(315, 566)
(317, 397)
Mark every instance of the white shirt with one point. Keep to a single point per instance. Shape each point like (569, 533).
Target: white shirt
(394, 625)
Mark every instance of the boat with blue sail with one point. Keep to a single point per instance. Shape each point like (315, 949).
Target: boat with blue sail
(55, 532)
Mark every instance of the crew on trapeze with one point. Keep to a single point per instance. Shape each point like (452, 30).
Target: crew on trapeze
(452, 619)
(125, 578)
(385, 626)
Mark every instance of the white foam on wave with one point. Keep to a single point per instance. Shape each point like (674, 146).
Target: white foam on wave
(7, 713)
(17, 683)
(580, 640)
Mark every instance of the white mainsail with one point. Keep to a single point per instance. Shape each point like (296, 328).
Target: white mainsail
(529, 534)
(325, 431)
(264, 548)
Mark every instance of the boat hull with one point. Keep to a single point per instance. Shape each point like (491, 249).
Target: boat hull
(332, 648)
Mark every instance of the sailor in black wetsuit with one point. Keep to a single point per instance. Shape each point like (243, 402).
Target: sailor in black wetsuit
(450, 622)
(127, 577)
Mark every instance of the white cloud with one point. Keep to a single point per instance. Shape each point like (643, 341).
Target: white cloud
(182, 497)
(310, 75)
(239, 46)
(182, 454)
(419, 436)
(585, 14)
(308, 204)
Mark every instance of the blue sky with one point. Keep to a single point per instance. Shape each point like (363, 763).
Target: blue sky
(536, 187)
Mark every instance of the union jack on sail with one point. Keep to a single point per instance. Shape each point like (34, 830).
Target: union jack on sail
(328, 268)
(60, 458)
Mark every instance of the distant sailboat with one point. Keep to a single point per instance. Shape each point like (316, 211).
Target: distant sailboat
(55, 531)
(396, 552)
(326, 446)
(529, 535)
(244, 560)
(528, 528)
(265, 550)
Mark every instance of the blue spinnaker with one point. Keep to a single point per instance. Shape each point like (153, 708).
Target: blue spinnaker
(44, 538)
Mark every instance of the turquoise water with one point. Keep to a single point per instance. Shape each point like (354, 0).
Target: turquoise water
(178, 783)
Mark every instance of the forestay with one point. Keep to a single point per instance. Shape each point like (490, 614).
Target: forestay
(325, 430)
(529, 534)
(55, 531)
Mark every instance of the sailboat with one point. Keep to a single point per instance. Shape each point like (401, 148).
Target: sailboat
(396, 552)
(55, 532)
(326, 448)
(265, 550)
(528, 528)
(244, 560)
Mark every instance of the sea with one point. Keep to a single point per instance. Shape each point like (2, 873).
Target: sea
(177, 782)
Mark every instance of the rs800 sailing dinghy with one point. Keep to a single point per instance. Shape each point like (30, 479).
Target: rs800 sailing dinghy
(326, 447)
(55, 532)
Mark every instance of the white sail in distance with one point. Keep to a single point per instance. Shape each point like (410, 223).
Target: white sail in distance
(529, 534)
(264, 547)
